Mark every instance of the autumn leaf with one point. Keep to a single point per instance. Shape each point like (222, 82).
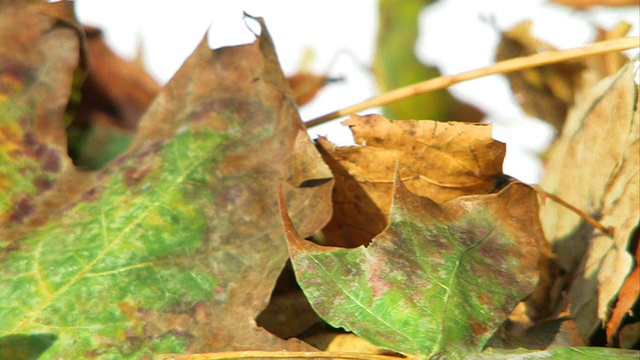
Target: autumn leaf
(544, 92)
(438, 281)
(439, 160)
(594, 167)
(627, 297)
(173, 247)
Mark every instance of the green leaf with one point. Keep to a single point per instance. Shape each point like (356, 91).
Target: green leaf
(438, 281)
(564, 353)
(174, 246)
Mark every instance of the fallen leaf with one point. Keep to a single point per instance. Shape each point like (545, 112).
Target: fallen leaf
(544, 92)
(438, 160)
(305, 86)
(594, 167)
(174, 246)
(627, 297)
(420, 288)
(395, 65)
(39, 52)
(628, 336)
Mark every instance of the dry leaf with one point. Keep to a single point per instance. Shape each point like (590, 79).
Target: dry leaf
(595, 167)
(544, 92)
(438, 160)
(176, 245)
(305, 86)
(628, 296)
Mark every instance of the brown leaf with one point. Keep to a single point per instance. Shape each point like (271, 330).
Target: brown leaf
(42, 47)
(544, 92)
(305, 86)
(191, 243)
(594, 167)
(628, 296)
(609, 63)
(269, 145)
(438, 160)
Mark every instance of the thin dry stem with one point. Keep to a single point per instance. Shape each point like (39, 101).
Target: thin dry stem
(525, 62)
(277, 355)
(593, 222)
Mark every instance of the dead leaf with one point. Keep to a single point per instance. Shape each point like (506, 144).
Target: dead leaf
(41, 49)
(594, 167)
(438, 160)
(544, 92)
(627, 297)
(176, 245)
(305, 86)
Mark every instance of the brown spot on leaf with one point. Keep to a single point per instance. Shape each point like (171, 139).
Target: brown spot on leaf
(22, 209)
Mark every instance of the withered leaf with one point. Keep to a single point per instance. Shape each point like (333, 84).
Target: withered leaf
(438, 160)
(594, 167)
(544, 92)
(173, 247)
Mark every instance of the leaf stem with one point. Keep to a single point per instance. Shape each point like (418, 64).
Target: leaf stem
(520, 63)
(593, 222)
(277, 355)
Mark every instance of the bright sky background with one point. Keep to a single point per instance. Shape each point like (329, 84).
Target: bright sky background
(455, 35)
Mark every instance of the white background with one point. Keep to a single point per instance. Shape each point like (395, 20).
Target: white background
(456, 35)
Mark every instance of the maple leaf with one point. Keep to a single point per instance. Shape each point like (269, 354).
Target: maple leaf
(174, 246)
(438, 281)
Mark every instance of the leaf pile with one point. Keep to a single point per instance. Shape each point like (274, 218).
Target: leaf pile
(167, 229)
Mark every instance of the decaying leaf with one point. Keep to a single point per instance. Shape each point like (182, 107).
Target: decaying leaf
(627, 297)
(40, 50)
(544, 92)
(305, 86)
(438, 281)
(173, 247)
(594, 166)
(438, 160)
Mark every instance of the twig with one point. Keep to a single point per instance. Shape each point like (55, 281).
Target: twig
(595, 223)
(277, 355)
(525, 62)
